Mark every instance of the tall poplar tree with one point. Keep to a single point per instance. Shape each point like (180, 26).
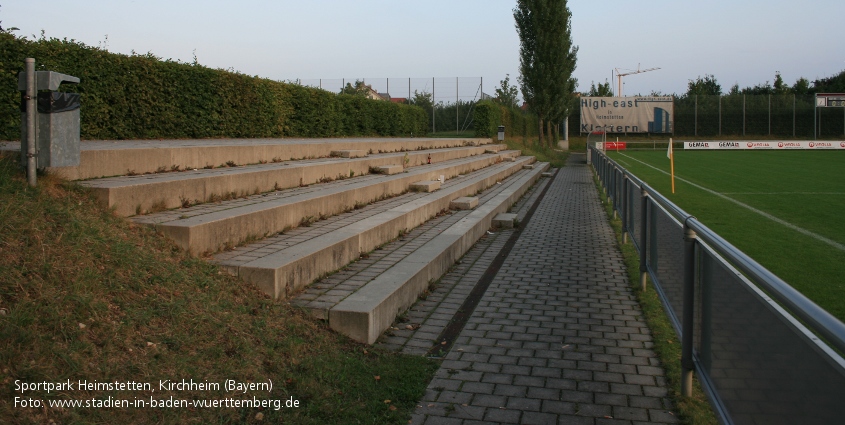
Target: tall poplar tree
(546, 59)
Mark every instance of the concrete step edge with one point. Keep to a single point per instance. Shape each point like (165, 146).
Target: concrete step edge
(291, 269)
(116, 158)
(141, 194)
(364, 315)
(229, 227)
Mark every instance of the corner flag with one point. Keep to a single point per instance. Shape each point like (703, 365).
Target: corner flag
(671, 156)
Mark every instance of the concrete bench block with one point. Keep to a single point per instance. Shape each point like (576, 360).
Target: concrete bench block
(547, 174)
(350, 153)
(390, 169)
(528, 167)
(464, 203)
(426, 186)
(495, 148)
(504, 221)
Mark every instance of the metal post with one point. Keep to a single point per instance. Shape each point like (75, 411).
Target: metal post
(720, 115)
(793, 115)
(457, 107)
(30, 121)
(770, 114)
(433, 103)
(624, 209)
(643, 237)
(409, 90)
(688, 313)
(615, 188)
(743, 115)
(696, 116)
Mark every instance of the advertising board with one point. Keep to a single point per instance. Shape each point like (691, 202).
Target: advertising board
(630, 114)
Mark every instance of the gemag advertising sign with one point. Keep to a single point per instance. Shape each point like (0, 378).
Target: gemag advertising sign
(761, 144)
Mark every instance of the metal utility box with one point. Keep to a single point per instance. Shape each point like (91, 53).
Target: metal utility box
(56, 122)
(501, 133)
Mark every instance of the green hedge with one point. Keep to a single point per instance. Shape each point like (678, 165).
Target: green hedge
(144, 97)
(489, 115)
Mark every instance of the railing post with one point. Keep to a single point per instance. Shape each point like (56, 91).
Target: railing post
(688, 313)
(643, 238)
(615, 187)
(624, 208)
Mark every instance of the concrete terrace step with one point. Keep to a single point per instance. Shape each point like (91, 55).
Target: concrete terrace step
(104, 158)
(130, 195)
(369, 311)
(210, 227)
(282, 265)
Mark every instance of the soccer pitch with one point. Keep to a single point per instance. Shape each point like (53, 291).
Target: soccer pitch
(785, 209)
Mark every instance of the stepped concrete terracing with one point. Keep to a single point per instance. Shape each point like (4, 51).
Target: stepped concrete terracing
(105, 158)
(130, 195)
(365, 314)
(291, 267)
(210, 227)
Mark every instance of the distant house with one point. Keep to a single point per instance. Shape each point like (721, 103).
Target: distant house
(399, 99)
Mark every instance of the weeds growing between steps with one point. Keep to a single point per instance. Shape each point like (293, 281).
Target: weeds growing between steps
(87, 296)
(556, 158)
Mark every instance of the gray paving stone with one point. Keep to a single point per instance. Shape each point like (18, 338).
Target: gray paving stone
(558, 336)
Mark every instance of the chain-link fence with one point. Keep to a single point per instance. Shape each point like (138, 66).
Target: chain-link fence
(781, 116)
(790, 116)
(449, 102)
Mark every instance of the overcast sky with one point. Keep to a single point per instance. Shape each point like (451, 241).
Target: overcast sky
(739, 41)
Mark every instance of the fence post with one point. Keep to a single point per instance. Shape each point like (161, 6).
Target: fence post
(720, 115)
(770, 114)
(643, 237)
(30, 121)
(433, 106)
(793, 115)
(688, 313)
(615, 179)
(624, 205)
(743, 115)
(695, 117)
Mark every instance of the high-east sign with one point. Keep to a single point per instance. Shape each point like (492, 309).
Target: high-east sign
(630, 114)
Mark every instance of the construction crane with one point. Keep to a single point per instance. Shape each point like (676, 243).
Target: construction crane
(619, 76)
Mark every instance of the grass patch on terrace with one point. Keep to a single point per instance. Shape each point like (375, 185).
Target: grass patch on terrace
(554, 156)
(805, 189)
(85, 295)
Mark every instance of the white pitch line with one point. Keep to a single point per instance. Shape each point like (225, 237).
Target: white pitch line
(783, 193)
(803, 231)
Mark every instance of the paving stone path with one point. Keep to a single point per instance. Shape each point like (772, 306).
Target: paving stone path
(557, 337)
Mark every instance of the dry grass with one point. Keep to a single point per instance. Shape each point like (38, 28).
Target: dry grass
(88, 296)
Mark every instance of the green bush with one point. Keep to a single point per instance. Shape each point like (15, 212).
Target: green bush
(145, 97)
(489, 115)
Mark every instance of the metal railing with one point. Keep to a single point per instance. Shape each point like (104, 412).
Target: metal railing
(762, 351)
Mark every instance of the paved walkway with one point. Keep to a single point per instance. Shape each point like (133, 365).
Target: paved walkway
(557, 337)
